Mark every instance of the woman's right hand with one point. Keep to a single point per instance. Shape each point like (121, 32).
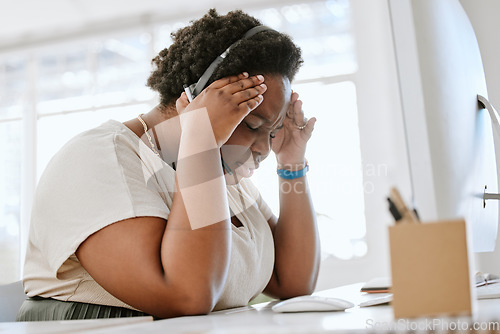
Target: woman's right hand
(227, 101)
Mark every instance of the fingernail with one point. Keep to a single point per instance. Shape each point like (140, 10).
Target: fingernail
(263, 86)
(245, 74)
(260, 77)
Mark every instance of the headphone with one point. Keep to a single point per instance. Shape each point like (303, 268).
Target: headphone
(194, 89)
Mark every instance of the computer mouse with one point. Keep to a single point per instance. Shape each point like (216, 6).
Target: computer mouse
(312, 304)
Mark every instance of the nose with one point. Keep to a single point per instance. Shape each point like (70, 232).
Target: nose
(261, 146)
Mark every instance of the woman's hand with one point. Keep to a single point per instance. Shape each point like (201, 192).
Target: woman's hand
(227, 102)
(290, 142)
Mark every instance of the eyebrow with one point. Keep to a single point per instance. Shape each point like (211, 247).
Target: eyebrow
(261, 117)
(267, 121)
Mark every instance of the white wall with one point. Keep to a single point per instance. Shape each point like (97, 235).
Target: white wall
(381, 124)
(381, 129)
(381, 139)
(485, 18)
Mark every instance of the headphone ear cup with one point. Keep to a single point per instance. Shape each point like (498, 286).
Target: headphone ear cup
(194, 89)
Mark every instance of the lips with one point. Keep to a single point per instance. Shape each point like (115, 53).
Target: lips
(246, 169)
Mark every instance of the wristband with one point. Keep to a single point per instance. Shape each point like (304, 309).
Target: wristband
(290, 175)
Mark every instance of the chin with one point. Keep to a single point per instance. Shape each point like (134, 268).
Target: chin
(238, 174)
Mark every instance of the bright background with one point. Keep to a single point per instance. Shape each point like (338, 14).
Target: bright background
(67, 66)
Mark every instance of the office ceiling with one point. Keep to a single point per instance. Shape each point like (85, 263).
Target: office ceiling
(28, 22)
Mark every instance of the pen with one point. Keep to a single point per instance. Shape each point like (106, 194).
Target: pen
(394, 210)
(406, 214)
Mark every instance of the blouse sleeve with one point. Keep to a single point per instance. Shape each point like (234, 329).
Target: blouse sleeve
(95, 180)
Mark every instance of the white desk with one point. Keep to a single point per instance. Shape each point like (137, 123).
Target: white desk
(261, 319)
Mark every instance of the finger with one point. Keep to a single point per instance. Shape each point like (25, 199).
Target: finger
(243, 84)
(182, 102)
(298, 114)
(250, 104)
(249, 93)
(310, 126)
(228, 80)
(293, 99)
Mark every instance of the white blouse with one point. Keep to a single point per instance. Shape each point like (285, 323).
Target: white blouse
(106, 175)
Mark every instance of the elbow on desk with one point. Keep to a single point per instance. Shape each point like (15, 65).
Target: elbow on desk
(293, 280)
(301, 287)
(297, 291)
(284, 291)
(191, 303)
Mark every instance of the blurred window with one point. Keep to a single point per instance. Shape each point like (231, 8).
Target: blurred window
(73, 88)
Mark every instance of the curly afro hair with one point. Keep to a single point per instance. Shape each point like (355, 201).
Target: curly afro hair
(196, 46)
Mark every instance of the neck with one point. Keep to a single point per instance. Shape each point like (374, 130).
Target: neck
(158, 115)
(152, 118)
(164, 129)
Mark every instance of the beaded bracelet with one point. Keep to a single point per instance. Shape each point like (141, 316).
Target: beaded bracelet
(290, 175)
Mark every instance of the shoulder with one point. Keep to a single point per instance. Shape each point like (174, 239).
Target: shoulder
(94, 159)
(106, 136)
(103, 145)
(99, 177)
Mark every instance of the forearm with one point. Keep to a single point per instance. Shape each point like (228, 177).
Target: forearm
(196, 246)
(296, 239)
(195, 261)
(197, 240)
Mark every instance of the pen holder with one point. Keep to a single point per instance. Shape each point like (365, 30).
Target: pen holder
(430, 269)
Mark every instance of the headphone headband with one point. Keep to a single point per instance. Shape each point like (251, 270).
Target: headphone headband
(193, 90)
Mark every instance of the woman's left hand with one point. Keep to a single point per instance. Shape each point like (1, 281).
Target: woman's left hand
(290, 142)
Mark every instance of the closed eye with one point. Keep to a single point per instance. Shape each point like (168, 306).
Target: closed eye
(273, 134)
(251, 128)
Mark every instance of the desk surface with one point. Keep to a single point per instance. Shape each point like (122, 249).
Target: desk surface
(261, 319)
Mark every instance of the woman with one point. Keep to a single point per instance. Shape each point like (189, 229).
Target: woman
(170, 225)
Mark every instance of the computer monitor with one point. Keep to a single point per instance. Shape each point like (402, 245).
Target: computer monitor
(449, 136)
